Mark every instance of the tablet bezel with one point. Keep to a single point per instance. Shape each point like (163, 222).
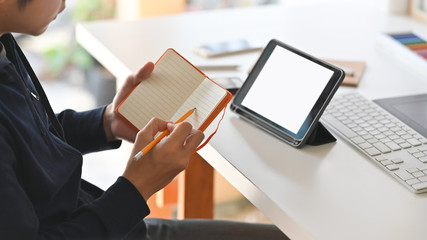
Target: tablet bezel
(298, 139)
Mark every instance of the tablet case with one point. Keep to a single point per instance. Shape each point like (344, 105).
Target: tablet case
(320, 135)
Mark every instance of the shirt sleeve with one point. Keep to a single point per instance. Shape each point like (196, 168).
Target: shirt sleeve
(111, 216)
(85, 130)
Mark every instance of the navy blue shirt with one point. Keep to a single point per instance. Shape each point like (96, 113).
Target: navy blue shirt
(42, 195)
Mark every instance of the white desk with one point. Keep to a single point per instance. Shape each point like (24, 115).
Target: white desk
(325, 192)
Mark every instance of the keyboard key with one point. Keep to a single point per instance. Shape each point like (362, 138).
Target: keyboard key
(385, 140)
(389, 133)
(413, 181)
(411, 132)
(368, 119)
(413, 150)
(407, 137)
(422, 148)
(383, 129)
(397, 160)
(369, 129)
(422, 168)
(404, 175)
(336, 114)
(420, 186)
(386, 162)
(357, 129)
(401, 133)
(367, 136)
(361, 133)
(414, 142)
(385, 121)
(365, 145)
(358, 140)
(393, 146)
(342, 118)
(375, 114)
(418, 174)
(394, 137)
(375, 132)
(405, 145)
(381, 158)
(392, 167)
(423, 179)
(382, 147)
(380, 136)
(373, 151)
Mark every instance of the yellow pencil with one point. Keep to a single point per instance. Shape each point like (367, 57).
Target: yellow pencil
(160, 137)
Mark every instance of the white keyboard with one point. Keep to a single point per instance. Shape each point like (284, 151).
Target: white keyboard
(394, 146)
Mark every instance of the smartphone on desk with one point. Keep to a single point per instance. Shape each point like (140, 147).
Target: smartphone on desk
(217, 49)
(232, 84)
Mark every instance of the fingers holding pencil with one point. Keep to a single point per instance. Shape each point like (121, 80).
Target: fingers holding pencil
(167, 159)
(161, 136)
(185, 136)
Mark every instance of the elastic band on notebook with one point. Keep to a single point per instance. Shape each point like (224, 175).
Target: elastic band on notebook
(209, 138)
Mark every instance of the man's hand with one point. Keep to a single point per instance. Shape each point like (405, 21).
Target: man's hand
(167, 159)
(115, 127)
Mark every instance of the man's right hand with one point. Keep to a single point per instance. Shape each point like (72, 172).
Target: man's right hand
(166, 160)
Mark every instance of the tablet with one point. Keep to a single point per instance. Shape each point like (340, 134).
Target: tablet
(286, 92)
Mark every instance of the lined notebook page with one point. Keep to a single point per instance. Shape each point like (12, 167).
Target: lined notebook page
(165, 92)
(205, 98)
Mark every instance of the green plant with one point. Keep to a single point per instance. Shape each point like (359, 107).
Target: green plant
(89, 10)
(63, 55)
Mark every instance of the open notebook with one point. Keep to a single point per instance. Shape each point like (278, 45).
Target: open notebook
(174, 87)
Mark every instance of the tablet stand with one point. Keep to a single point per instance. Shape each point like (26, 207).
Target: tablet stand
(320, 135)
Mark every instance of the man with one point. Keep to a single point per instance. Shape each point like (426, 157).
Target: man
(42, 195)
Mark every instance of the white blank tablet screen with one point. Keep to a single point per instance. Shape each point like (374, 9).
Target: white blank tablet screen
(287, 88)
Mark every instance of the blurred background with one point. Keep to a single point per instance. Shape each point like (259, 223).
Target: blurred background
(73, 79)
(60, 62)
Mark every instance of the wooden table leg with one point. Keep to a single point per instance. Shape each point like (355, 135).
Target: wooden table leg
(195, 190)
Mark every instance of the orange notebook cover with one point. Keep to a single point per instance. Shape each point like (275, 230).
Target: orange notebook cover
(174, 87)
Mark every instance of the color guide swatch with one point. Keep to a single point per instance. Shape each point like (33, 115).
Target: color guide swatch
(412, 42)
